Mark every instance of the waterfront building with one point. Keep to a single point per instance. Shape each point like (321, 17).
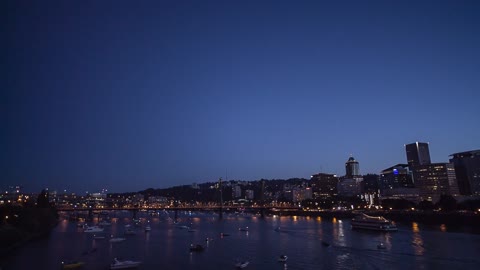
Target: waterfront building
(349, 187)
(418, 153)
(249, 194)
(397, 176)
(435, 179)
(351, 183)
(467, 171)
(324, 185)
(237, 191)
(300, 194)
(409, 194)
(370, 183)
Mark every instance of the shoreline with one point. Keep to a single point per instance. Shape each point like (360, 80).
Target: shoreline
(423, 217)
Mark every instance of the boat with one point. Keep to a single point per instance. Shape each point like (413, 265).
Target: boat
(224, 234)
(93, 229)
(123, 264)
(184, 227)
(148, 228)
(104, 223)
(72, 265)
(367, 222)
(117, 239)
(242, 264)
(196, 248)
(244, 229)
(98, 236)
(192, 230)
(381, 246)
(283, 258)
(130, 232)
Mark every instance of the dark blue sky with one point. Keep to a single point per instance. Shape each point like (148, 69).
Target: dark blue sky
(128, 95)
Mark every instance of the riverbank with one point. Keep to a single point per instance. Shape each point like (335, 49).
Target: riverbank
(424, 217)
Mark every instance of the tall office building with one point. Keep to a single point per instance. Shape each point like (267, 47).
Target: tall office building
(417, 154)
(467, 171)
(397, 176)
(435, 179)
(324, 185)
(352, 168)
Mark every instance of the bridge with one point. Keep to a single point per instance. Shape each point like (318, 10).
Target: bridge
(262, 209)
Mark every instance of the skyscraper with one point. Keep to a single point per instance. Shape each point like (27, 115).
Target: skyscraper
(417, 154)
(352, 168)
(436, 179)
(467, 171)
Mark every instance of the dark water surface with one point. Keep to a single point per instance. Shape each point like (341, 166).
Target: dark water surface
(300, 238)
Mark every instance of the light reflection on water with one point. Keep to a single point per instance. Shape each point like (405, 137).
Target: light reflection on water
(166, 246)
(417, 240)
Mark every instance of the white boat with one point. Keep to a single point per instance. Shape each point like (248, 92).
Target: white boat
(183, 227)
(130, 232)
(381, 246)
(242, 264)
(98, 236)
(93, 229)
(244, 229)
(148, 228)
(104, 223)
(367, 222)
(117, 239)
(123, 264)
(283, 258)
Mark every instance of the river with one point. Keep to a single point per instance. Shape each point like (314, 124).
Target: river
(166, 246)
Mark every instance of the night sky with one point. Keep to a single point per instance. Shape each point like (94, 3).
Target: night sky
(128, 95)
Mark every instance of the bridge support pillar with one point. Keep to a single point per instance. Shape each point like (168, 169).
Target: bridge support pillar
(90, 214)
(220, 215)
(262, 212)
(176, 215)
(135, 211)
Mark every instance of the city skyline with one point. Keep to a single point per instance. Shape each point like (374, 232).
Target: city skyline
(128, 96)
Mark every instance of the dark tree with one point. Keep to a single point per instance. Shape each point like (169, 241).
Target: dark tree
(43, 199)
(425, 205)
(447, 203)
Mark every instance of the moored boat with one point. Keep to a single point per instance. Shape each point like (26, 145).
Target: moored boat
(196, 248)
(367, 222)
(124, 264)
(117, 239)
(72, 265)
(99, 237)
(242, 264)
(93, 229)
(283, 258)
(104, 223)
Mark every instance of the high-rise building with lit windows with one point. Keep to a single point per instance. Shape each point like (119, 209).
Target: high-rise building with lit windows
(436, 179)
